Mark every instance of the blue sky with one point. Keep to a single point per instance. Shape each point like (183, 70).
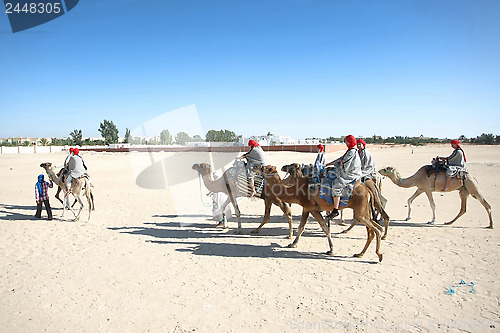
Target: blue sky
(297, 68)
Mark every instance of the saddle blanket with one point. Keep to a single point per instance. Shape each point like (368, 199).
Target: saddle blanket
(326, 190)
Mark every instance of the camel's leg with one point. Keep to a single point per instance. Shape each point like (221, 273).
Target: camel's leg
(223, 223)
(372, 232)
(341, 219)
(433, 206)
(350, 227)
(267, 215)
(57, 195)
(377, 206)
(236, 208)
(463, 204)
(410, 200)
(92, 198)
(300, 229)
(287, 211)
(67, 204)
(77, 197)
(317, 215)
(369, 238)
(476, 195)
(89, 200)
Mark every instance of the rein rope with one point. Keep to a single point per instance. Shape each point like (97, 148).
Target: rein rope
(201, 194)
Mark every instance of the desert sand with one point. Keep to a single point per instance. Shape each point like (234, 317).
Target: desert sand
(151, 259)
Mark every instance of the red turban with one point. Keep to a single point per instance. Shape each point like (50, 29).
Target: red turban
(71, 150)
(252, 143)
(362, 142)
(321, 147)
(456, 142)
(351, 141)
(76, 151)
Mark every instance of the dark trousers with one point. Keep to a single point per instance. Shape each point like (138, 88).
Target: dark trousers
(47, 208)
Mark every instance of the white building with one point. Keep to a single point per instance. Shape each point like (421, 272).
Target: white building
(273, 140)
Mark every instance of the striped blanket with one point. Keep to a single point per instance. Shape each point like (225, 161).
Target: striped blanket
(242, 186)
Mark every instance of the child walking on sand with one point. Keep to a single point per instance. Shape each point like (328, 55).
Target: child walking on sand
(42, 196)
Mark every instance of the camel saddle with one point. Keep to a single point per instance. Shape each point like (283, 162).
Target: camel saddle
(436, 167)
(242, 181)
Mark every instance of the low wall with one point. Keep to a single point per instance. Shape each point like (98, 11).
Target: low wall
(32, 149)
(156, 149)
(53, 149)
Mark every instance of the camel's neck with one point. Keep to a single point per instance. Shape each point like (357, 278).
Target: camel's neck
(215, 186)
(52, 175)
(288, 193)
(395, 177)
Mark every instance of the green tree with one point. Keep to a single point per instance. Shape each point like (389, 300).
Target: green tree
(76, 136)
(26, 143)
(127, 135)
(182, 138)
(165, 137)
(44, 142)
(198, 138)
(109, 132)
(221, 136)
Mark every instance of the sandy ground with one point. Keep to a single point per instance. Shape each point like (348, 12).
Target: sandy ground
(150, 259)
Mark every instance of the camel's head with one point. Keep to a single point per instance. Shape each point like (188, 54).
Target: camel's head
(265, 170)
(387, 171)
(46, 165)
(202, 168)
(289, 168)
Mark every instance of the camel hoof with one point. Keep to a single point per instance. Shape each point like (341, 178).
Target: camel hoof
(292, 245)
(358, 255)
(431, 223)
(289, 237)
(489, 227)
(254, 231)
(384, 237)
(408, 218)
(380, 257)
(329, 253)
(447, 223)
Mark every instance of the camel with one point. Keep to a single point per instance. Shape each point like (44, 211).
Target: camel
(311, 203)
(294, 170)
(434, 183)
(78, 186)
(227, 185)
(59, 189)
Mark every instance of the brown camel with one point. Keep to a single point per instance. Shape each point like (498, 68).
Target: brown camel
(377, 206)
(434, 183)
(78, 187)
(311, 203)
(227, 185)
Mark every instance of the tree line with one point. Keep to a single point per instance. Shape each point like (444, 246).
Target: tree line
(483, 139)
(109, 133)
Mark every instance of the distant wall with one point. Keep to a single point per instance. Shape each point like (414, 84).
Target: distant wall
(144, 148)
(32, 149)
(294, 148)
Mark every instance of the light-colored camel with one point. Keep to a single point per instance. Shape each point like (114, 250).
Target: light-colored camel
(299, 193)
(62, 183)
(227, 185)
(78, 187)
(434, 183)
(377, 206)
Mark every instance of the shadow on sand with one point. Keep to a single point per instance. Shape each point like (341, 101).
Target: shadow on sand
(205, 240)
